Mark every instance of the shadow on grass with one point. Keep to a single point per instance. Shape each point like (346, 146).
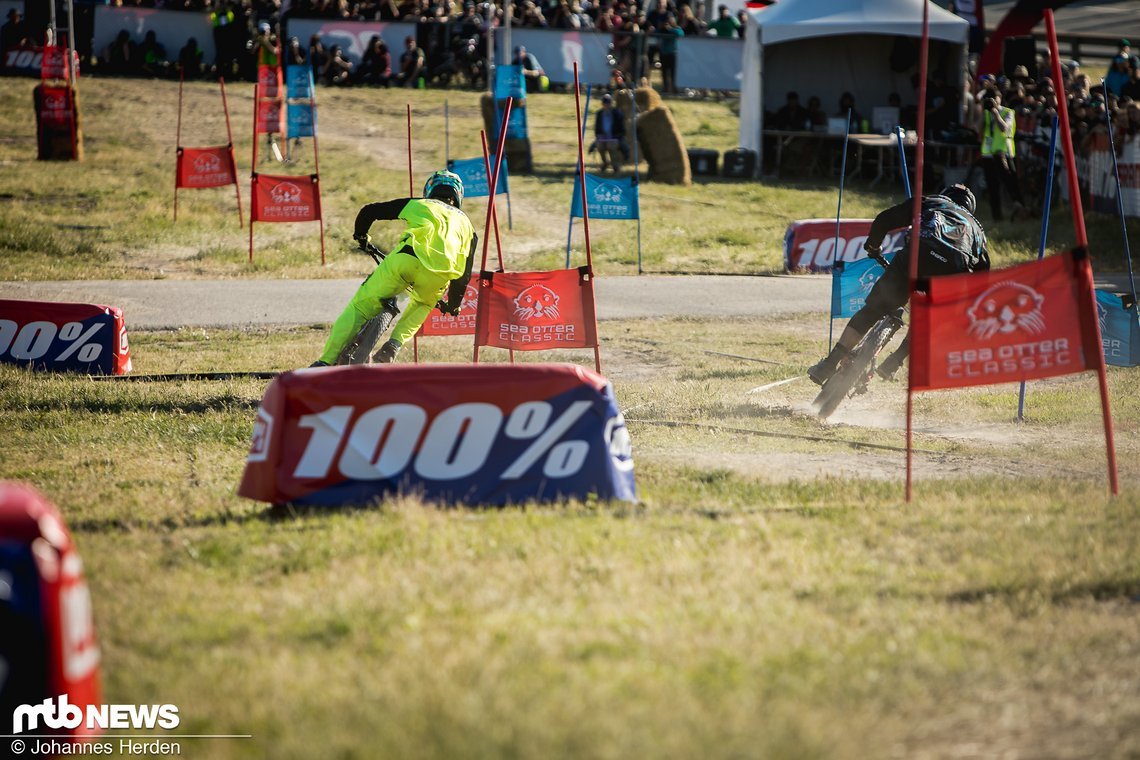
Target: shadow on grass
(1101, 591)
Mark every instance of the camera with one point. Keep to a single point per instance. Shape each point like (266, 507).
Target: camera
(987, 104)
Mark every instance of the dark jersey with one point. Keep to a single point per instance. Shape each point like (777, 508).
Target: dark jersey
(947, 232)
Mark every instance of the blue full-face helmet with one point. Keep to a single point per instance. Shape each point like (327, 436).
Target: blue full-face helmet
(445, 186)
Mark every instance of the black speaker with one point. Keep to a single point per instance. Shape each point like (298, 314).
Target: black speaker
(1019, 51)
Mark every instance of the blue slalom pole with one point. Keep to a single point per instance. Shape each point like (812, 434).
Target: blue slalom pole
(1045, 235)
(836, 262)
(570, 226)
(900, 133)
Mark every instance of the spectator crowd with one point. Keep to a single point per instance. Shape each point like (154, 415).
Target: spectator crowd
(450, 41)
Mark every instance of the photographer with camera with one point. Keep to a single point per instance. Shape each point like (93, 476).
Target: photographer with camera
(999, 128)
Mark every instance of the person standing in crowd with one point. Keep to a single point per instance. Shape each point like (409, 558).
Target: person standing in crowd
(12, 33)
(294, 55)
(691, 25)
(222, 27)
(338, 69)
(318, 55)
(792, 116)
(726, 25)
(670, 34)
(999, 129)
(1131, 88)
(376, 65)
(411, 63)
(1118, 74)
(190, 60)
(609, 124)
(532, 70)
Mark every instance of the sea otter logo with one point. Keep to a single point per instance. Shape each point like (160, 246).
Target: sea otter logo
(1004, 308)
(1102, 317)
(607, 193)
(535, 303)
(470, 299)
(868, 279)
(207, 163)
(285, 193)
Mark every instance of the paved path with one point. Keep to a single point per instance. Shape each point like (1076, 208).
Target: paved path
(158, 304)
(154, 304)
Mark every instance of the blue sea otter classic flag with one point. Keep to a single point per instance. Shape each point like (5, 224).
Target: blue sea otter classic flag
(851, 284)
(1119, 330)
(473, 172)
(608, 198)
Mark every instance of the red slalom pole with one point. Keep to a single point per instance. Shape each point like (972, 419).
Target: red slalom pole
(585, 206)
(492, 210)
(230, 143)
(582, 170)
(493, 180)
(253, 171)
(1082, 248)
(411, 193)
(178, 146)
(916, 225)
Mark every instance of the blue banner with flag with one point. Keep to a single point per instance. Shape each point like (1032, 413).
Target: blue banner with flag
(607, 198)
(851, 283)
(473, 172)
(509, 83)
(298, 81)
(1119, 330)
(301, 120)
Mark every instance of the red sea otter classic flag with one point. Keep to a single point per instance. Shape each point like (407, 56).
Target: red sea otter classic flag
(530, 311)
(1026, 322)
(286, 199)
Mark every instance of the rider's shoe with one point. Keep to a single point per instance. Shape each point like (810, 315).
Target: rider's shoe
(821, 371)
(319, 363)
(386, 353)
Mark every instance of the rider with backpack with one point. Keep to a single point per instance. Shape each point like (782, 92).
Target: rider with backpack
(951, 241)
(434, 255)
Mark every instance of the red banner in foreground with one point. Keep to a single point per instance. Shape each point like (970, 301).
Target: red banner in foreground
(64, 337)
(286, 199)
(463, 323)
(1025, 322)
(206, 167)
(47, 642)
(470, 434)
(532, 311)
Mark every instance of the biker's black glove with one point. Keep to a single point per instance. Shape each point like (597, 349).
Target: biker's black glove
(363, 240)
(446, 308)
(875, 252)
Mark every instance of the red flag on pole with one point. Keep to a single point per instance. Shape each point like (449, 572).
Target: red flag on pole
(1025, 322)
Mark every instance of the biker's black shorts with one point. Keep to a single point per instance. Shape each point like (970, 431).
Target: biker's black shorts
(890, 293)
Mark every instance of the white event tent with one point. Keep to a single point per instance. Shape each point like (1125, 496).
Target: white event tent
(828, 47)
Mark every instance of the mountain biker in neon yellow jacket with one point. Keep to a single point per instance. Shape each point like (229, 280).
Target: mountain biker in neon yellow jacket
(435, 251)
(950, 241)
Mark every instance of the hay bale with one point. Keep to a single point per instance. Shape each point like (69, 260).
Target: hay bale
(647, 99)
(664, 150)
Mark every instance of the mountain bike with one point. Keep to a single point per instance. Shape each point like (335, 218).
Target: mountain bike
(855, 371)
(359, 349)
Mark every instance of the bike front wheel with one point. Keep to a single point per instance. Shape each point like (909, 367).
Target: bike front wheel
(360, 349)
(857, 366)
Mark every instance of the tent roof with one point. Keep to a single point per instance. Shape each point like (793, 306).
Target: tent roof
(799, 19)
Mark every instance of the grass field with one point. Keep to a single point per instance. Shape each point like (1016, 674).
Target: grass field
(771, 596)
(66, 221)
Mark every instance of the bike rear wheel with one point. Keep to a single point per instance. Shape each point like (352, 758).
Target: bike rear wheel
(359, 350)
(856, 367)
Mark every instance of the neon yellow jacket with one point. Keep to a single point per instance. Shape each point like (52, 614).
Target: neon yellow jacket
(439, 235)
(993, 139)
